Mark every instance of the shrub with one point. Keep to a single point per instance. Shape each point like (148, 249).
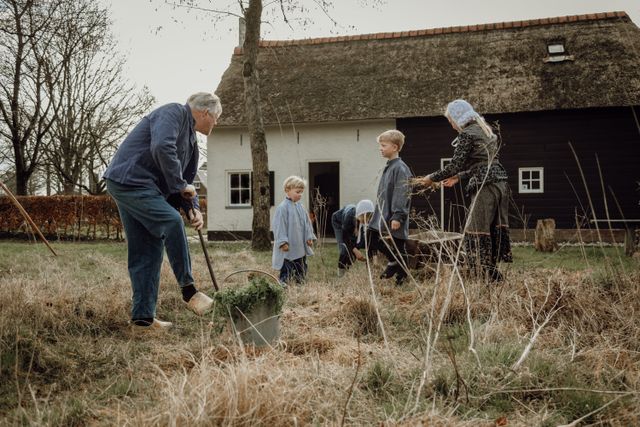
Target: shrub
(61, 217)
(64, 217)
(378, 378)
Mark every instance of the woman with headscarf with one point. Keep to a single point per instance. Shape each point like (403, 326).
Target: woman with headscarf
(475, 162)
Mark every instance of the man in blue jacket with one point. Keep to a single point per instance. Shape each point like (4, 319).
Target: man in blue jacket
(150, 178)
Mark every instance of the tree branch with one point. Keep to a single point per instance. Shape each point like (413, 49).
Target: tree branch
(204, 9)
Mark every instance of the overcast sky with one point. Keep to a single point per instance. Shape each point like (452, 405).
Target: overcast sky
(178, 51)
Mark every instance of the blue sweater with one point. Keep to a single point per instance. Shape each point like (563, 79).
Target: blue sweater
(161, 152)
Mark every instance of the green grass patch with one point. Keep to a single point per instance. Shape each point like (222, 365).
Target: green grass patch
(571, 258)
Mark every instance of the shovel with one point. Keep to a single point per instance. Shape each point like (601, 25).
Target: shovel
(206, 256)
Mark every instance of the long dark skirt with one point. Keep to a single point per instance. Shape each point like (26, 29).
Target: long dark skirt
(487, 238)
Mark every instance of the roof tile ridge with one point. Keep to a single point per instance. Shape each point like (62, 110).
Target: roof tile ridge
(445, 30)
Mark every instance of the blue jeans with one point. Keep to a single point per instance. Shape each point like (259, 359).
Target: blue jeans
(150, 225)
(294, 270)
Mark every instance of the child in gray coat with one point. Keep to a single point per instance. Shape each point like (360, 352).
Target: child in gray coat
(391, 215)
(292, 233)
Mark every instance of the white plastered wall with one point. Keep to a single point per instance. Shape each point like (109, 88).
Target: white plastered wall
(290, 149)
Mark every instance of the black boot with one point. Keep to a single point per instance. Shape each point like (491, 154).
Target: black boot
(494, 274)
(401, 277)
(391, 270)
(402, 273)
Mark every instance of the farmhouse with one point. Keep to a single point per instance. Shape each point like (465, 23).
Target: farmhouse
(200, 181)
(565, 92)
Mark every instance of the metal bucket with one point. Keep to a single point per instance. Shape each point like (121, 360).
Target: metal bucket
(260, 326)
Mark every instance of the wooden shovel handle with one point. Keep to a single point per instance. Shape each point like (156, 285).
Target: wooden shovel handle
(26, 216)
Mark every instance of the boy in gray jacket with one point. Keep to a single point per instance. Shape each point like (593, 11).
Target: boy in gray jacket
(391, 215)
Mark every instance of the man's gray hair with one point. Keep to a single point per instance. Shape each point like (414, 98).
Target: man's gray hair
(205, 101)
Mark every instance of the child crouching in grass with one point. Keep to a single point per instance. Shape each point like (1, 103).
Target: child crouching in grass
(348, 227)
(292, 233)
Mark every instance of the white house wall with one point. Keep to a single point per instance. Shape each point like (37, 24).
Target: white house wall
(290, 150)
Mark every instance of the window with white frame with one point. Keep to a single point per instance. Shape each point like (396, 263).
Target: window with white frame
(531, 180)
(239, 188)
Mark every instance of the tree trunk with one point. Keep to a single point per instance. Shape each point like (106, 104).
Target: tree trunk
(260, 239)
(22, 176)
(48, 180)
(545, 235)
(68, 188)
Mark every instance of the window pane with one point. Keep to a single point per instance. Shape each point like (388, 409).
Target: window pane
(235, 180)
(535, 185)
(235, 197)
(244, 180)
(526, 174)
(246, 197)
(535, 174)
(555, 48)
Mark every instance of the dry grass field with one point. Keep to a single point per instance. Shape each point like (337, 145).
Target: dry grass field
(557, 344)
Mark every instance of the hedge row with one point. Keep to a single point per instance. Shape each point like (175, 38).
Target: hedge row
(76, 217)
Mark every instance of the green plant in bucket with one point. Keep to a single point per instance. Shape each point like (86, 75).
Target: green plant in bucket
(243, 299)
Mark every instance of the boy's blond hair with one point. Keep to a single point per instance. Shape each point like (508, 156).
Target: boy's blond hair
(294, 182)
(393, 136)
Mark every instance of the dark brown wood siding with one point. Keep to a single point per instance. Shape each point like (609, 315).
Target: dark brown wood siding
(606, 142)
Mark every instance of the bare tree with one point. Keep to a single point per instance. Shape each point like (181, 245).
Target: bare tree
(26, 27)
(64, 102)
(68, 145)
(97, 106)
(253, 13)
(110, 123)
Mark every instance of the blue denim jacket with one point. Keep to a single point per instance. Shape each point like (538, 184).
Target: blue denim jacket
(160, 152)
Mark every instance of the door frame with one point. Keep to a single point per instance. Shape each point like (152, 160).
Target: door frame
(328, 228)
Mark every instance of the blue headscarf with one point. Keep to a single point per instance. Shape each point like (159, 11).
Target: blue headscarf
(461, 112)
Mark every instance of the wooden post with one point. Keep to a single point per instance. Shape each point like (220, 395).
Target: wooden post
(545, 235)
(630, 241)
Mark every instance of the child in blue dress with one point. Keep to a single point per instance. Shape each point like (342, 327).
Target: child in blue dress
(292, 233)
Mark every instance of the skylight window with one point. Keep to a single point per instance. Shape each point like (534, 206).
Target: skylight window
(556, 52)
(555, 48)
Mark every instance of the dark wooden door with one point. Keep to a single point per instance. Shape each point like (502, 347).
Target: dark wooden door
(324, 194)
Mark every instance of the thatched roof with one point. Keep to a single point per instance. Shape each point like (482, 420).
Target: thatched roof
(498, 67)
